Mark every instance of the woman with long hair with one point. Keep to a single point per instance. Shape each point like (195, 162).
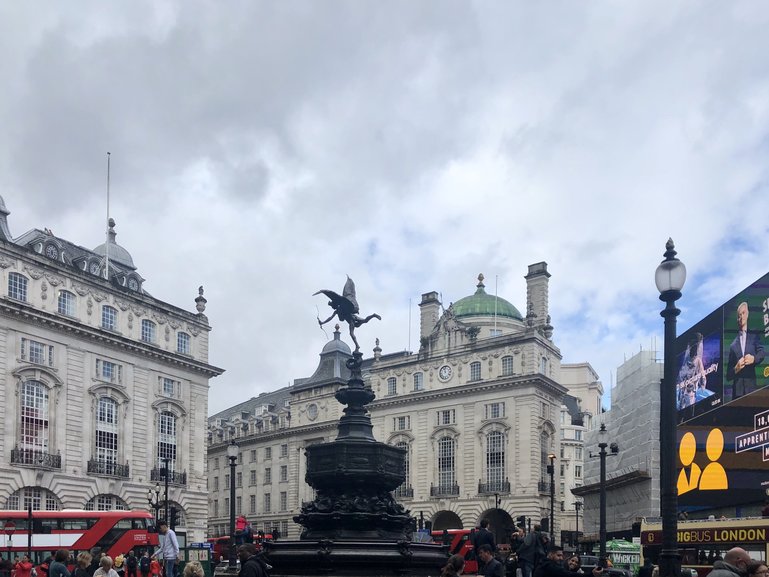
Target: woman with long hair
(454, 566)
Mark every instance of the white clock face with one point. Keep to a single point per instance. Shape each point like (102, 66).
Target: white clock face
(94, 268)
(444, 373)
(132, 284)
(312, 411)
(51, 252)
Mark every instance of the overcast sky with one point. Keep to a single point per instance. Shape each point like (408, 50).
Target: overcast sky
(266, 149)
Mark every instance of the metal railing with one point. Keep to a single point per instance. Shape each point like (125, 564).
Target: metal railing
(494, 487)
(35, 458)
(174, 478)
(97, 467)
(444, 490)
(404, 491)
(544, 487)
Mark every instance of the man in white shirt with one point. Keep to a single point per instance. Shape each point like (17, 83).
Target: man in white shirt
(169, 549)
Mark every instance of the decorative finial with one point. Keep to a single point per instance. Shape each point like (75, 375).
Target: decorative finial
(111, 232)
(200, 301)
(377, 350)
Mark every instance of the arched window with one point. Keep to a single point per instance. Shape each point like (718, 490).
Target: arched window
(66, 303)
(149, 331)
(36, 497)
(183, 343)
(34, 420)
(109, 318)
(495, 460)
(507, 366)
(107, 433)
(544, 451)
(17, 286)
(167, 440)
(106, 503)
(392, 386)
(446, 468)
(475, 371)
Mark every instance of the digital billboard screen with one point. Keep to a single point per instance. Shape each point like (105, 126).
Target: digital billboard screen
(722, 402)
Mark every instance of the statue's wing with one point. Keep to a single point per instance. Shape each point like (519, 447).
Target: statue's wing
(338, 302)
(348, 292)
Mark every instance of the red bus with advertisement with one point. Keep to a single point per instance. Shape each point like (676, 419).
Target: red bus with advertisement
(113, 532)
(700, 542)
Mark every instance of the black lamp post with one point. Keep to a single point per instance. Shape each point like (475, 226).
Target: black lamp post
(153, 498)
(670, 278)
(602, 454)
(551, 472)
(577, 507)
(166, 475)
(232, 455)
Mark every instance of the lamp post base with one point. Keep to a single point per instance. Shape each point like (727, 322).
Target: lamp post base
(669, 563)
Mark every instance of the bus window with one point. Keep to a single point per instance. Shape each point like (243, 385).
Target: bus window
(74, 524)
(48, 525)
(140, 523)
(123, 524)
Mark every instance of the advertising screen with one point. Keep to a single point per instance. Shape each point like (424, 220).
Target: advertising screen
(722, 399)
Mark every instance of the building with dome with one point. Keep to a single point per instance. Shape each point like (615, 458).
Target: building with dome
(479, 409)
(103, 387)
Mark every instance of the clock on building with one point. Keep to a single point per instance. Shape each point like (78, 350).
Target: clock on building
(94, 268)
(133, 284)
(51, 252)
(444, 373)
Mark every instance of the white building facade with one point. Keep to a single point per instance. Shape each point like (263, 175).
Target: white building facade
(477, 409)
(101, 384)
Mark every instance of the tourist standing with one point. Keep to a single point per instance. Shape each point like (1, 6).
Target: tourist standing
(169, 550)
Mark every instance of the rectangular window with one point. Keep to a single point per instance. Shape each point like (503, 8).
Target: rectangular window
(183, 343)
(267, 476)
(267, 503)
(226, 481)
(252, 504)
(252, 478)
(283, 501)
(109, 318)
(284, 450)
(507, 366)
(418, 382)
(253, 455)
(149, 331)
(563, 469)
(563, 488)
(402, 423)
(216, 507)
(216, 483)
(109, 371)
(17, 286)
(577, 471)
(268, 452)
(392, 386)
(284, 528)
(475, 371)
(227, 504)
(170, 387)
(238, 505)
(36, 352)
(446, 417)
(578, 453)
(216, 463)
(283, 473)
(66, 305)
(578, 435)
(239, 479)
(495, 410)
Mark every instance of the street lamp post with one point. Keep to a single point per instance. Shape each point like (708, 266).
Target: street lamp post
(166, 474)
(232, 455)
(551, 472)
(577, 506)
(153, 498)
(670, 278)
(602, 454)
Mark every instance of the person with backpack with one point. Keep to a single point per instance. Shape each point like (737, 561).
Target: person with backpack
(251, 563)
(144, 565)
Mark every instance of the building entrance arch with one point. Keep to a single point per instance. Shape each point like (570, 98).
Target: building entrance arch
(446, 520)
(500, 523)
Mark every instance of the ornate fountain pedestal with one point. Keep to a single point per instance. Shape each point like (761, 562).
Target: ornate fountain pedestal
(354, 526)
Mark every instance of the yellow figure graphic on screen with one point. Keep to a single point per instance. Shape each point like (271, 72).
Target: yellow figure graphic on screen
(714, 475)
(686, 452)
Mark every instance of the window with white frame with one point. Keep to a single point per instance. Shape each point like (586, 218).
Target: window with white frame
(507, 366)
(446, 417)
(578, 453)
(267, 503)
(418, 382)
(35, 498)
(268, 476)
(253, 455)
(167, 440)
(495, 459)
(543, 365)
(283, 501)
(544, 451)
(392, 386)
(284, 450)
(226, 481)
(268, 452)
(406, 462)
(169, 387)
(577, 471)
(17, 286)
(34, 418)
(149, 331)
(36, 352)
(216, 483)
(252, 478)
(67, 302)
(283, 528)
(216, 507)
(402, 423)
(107, 431)
(238, 505)
(239, 479)
(446, 472)
(183, 343)
(109, 371)
(109, 318)
(252, 504)
(283, 473)
(106, 502)
(475, 371)
(227, 504)
(495, 410)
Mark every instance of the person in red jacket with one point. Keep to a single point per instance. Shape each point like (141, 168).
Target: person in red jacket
(24, 567)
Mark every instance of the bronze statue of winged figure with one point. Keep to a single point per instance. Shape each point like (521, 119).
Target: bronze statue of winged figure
(346, 309)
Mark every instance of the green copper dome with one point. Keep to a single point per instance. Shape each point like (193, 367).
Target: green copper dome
(482, 304)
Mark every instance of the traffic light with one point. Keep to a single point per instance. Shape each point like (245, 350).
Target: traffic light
(521, 522)
(174, 518)
(544, 525)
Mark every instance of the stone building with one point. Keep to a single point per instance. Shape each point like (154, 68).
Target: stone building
(101, 384)
(632, 492)
(477, 409)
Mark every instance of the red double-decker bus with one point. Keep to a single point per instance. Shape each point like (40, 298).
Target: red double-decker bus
(113, 532)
